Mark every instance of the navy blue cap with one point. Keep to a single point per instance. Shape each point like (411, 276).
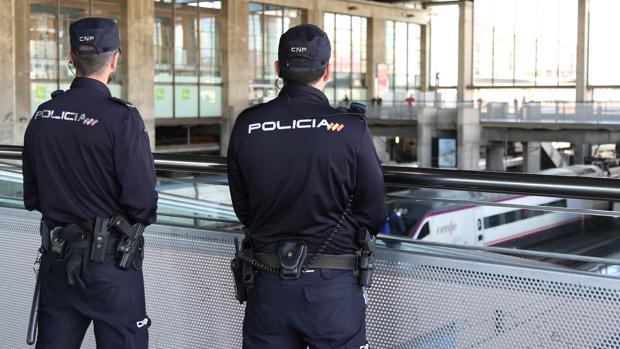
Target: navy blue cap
(305, 41)
(98, 34)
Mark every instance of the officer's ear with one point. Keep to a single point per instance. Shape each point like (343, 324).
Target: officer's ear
(276, 65)
(114, 60)
(328, 72)
(73, 62)
(71, 58)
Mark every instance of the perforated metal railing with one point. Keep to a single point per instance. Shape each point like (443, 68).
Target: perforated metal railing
(420, 299)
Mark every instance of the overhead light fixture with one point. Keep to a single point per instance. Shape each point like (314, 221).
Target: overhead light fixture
(409, 15)
(351, 7)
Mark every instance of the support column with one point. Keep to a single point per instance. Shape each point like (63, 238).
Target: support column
(139, 59)
(495, 157)
(582, 92)
(381, 147)
(376, 53)
(466, 46)
(581, 152)
(424, 141)
(531, 157)
(315, 14)
(7, 73)
(23, 109)
(468, 139)
(425, 40)
(235, 72)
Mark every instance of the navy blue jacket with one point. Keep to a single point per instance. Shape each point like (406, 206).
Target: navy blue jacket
(292, 165)
(87, 154)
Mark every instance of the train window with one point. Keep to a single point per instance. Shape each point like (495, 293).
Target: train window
(504, 218)
(525, 213)
(424, 231)
(492, 221)
(511, 216)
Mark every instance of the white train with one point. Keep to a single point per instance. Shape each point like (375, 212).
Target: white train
(429, 218)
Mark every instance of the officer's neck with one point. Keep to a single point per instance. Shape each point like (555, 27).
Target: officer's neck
(320, 85)
(103, 78)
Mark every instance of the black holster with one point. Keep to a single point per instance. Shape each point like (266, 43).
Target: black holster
(131, 246)
(365, 259)
(242, 269)
(51, 240)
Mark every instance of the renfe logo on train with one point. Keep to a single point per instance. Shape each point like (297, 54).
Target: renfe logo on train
(447, 229)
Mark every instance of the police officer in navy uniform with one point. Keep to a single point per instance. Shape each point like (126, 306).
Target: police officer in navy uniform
(305, 180)
(86, 154)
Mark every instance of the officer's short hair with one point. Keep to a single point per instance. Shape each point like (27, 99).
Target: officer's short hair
(89, 64)
(302, 76)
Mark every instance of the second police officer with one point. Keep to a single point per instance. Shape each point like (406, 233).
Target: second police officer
(306, 182)
(86, 159)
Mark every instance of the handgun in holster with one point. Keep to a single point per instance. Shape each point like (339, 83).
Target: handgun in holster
(365, 259)
(132, 242)
(243, 272)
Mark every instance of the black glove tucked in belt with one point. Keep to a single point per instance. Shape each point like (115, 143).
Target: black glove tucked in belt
(78, 254)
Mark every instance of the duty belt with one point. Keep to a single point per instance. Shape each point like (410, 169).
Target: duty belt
(57, 246)
(322, 261)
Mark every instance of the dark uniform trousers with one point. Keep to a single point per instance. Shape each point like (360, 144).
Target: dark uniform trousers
(114, 302)
(321, 309)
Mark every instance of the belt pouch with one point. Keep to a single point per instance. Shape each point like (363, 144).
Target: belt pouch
(101, 238)
(292, 255)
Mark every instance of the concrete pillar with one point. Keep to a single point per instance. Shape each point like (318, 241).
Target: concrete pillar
(582, 92)
(581, 152)
(425, 40)
(139, 59)
(495, 157)
(424, 141)
(376, 53)
(381, 148)
(23, 110)
(235, 72)
(315, 14)
(7, 73)
(466, 46)
(531, 157)
(468, 139)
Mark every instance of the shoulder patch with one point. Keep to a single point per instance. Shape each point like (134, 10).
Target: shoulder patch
(57, 93)
(123, 102)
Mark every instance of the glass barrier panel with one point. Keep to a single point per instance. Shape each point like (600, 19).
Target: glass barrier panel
(532, 223)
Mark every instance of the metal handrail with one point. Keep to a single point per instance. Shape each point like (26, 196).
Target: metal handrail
(592, 188)
(504, 250)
